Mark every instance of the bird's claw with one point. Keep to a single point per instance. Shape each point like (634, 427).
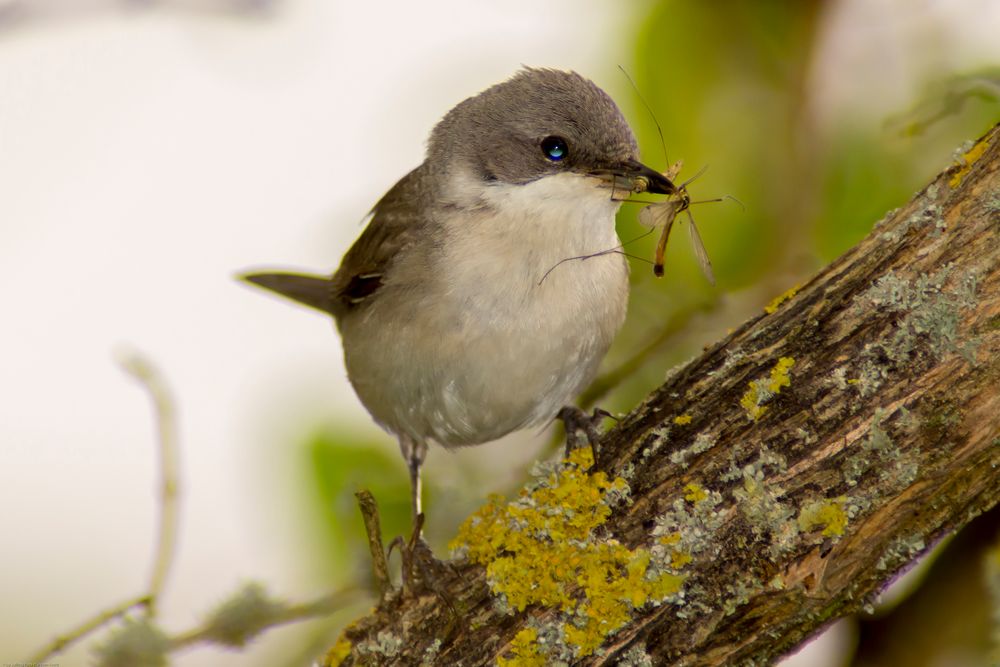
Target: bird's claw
(576, 421)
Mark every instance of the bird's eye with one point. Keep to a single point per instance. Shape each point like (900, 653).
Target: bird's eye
(555, 148)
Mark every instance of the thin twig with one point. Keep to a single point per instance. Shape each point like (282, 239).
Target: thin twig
(139, 367)
(373, 528)
(322, 606)
(95, 622)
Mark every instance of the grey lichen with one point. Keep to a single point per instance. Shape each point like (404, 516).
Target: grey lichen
(688, 529)
(661, 436)
(901, 550)
(636, 657)
(807, 437)
(431, 653)
(838, 378)
(888, 217)
(240, 618)
(958, 155)
(544, 469)
(871, 373)
(733, 358)
(930, 312)
(760, 501)
(552, 642)
(137, 643)
(702, 443)
(739, 593)
(895, 468)
(769, 517)
(757, 468)
(386, 644)
(930, 215)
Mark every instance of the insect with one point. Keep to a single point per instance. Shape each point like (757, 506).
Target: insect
(665, 213)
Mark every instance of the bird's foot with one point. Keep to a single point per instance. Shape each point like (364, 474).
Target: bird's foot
(576, 421)
(421, 570)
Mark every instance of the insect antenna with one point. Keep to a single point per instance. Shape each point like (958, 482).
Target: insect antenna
(659, 130)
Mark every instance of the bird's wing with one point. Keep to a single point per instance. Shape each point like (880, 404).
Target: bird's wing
(395, 222)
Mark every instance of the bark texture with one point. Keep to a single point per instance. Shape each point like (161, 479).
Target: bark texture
(791, 471)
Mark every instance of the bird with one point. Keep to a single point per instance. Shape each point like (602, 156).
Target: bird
(488, 284)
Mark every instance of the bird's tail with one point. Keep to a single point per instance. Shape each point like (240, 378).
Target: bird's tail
(313, 291)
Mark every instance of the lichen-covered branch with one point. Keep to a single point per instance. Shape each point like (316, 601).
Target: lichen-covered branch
(773, 484)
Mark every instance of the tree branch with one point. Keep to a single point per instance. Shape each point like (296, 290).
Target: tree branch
(775, 483)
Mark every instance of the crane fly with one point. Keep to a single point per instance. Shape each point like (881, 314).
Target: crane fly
(665, 213)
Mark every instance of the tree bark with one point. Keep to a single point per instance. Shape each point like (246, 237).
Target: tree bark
(786, 475)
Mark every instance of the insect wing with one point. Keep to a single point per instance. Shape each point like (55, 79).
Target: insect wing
(662, 213)
(699, 251)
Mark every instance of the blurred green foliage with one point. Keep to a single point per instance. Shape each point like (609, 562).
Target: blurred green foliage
(343, 463)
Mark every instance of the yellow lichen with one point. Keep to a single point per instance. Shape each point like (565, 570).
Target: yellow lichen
(829, 515)
(761, 390)
(694, 493)
(670, 538)
(750, 402)
(524, 651)
(679, 559)
(680, 420)
(337, 652)
(540, 549)
(779, 375)
(780, 299)
(968, 160)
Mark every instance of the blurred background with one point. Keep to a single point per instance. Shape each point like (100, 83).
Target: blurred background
(151, 149)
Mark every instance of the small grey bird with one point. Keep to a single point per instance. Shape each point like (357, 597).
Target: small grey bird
(485, 290)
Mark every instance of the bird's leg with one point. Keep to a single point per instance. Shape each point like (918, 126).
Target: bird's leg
(419, 566)
(576, 421)
(414, 549)
(414, 453)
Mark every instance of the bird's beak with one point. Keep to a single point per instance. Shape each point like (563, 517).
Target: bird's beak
(635, 176)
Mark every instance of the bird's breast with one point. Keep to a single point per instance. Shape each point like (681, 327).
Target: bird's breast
(533, 247)
(523, 298)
